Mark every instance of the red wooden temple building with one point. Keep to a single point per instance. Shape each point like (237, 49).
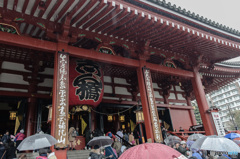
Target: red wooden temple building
(94, 63)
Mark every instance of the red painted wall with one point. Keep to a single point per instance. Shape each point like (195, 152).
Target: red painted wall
(180, 118)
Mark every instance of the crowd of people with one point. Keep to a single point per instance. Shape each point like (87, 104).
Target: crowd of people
(122, 140)
(8, 144)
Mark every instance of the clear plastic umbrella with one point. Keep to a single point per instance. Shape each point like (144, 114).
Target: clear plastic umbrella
(194, 137)
(100, 141)
(171, 140)
(216, 143)
(37, 141)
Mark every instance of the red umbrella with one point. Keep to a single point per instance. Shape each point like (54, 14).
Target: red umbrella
(151, 151)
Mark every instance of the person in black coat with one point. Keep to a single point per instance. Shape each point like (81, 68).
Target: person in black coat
(2, 151)
(6, 137)
(136, 136)
(11, 151)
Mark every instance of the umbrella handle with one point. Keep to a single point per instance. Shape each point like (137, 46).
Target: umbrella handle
(3, 154)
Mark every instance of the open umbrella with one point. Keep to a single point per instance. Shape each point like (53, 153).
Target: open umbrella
(194, 137)
(151, 151)
(37, 141)
(232, 136)
(172, 140)
(237, 142)
(215, 143)
(100, 141)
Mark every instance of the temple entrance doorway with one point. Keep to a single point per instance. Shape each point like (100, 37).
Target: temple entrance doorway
(12, 114)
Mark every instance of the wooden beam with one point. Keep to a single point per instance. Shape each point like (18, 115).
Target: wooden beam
(93, 55)
(26, 73)
(24, 94)
(170, 71)
(27, 42)
(31, 43)
(23, 86)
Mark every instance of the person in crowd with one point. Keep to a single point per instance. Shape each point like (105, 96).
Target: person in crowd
(196, 154)
(42, 154)
(97, 132)
(77, 131)
(110, 134)
(136, 136)
(131, 138)
(182, 148)
(87, 137)
(123, 149)
(97, 154)
(181, 129)
(117, 146)
(119, 135)
(11, 151)
(176, 146)
(164, 133)
(19, 138)
(51, 155)
(72, 138)
(5, 138)
(125, 136)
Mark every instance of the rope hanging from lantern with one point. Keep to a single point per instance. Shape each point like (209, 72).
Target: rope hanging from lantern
(114, 113)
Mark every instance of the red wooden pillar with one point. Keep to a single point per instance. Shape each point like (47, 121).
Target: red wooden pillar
(32, 104)
(191, 112)
(61, 154)
(202, 102)
(30, 116)
(93, 121)
(146, 113)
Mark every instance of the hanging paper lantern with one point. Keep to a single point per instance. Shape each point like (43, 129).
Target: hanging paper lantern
(85, 83)
(122, 118)
(110, 118)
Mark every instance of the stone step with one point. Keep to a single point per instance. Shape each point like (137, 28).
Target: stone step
(78, 154)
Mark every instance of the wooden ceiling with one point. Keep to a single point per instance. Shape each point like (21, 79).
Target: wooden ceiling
(116, 21)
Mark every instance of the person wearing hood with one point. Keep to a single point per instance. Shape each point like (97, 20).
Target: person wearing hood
(19, 137)
(97, 154)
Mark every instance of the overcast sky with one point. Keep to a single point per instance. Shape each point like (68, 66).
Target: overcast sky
(221, 11)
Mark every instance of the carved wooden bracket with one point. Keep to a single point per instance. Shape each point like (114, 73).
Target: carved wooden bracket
(133, 89)
(188, 89)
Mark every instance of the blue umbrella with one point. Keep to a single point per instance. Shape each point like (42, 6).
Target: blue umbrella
(232, 135)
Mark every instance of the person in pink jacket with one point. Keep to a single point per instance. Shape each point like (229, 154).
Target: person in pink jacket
(19, 137)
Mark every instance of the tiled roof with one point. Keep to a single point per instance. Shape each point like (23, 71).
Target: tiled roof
(195, 16)
(191, 15)
(230, 64)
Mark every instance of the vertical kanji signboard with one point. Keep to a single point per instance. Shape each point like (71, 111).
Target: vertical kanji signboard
(152, 106)
(61, 127)
(218, 124)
